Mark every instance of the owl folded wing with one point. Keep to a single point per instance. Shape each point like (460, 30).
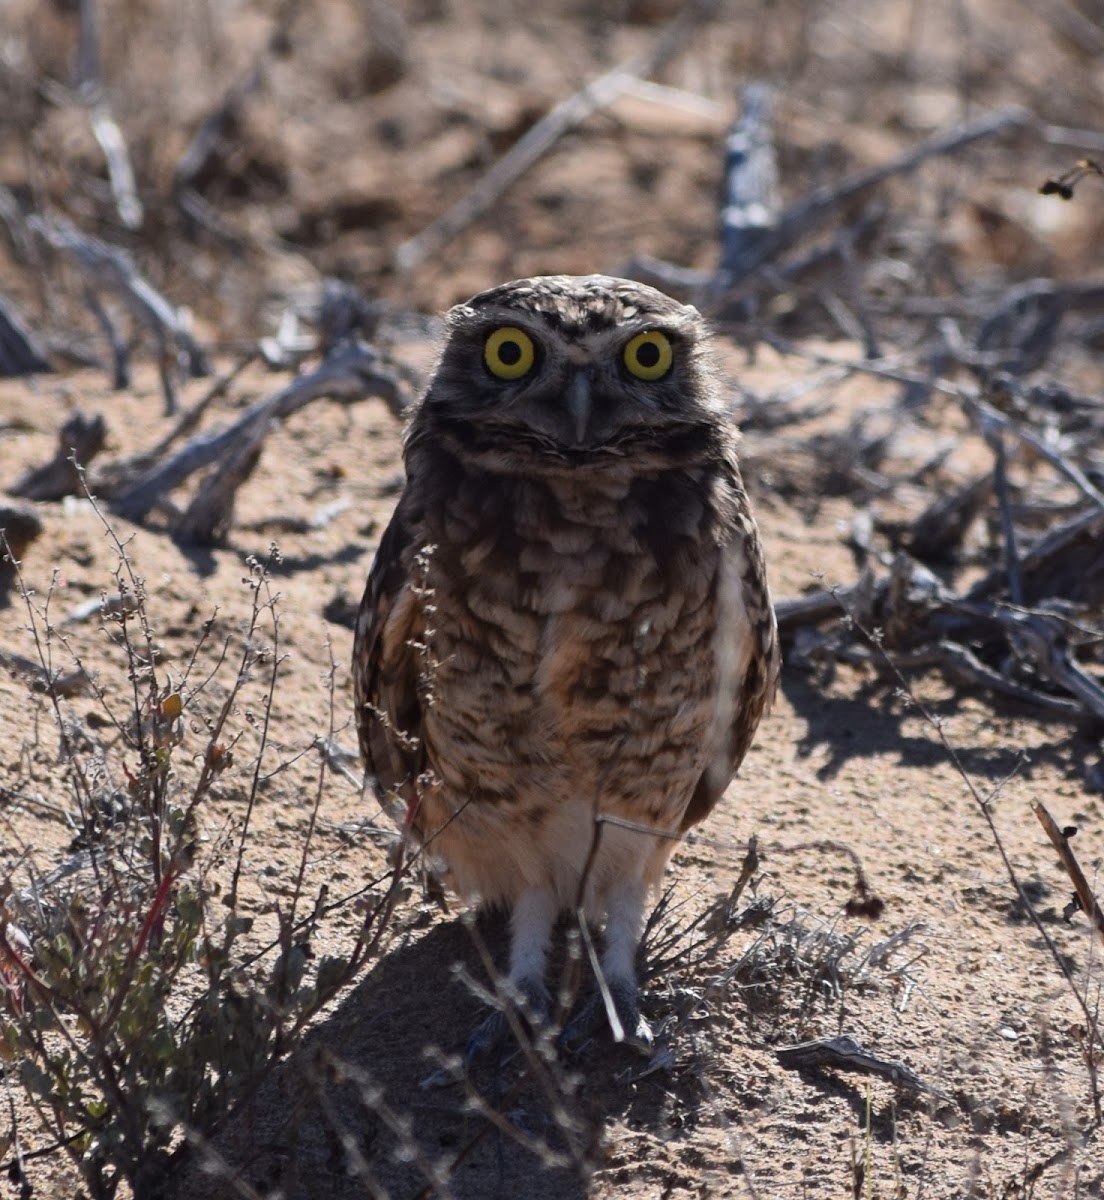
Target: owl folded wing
(755, 685)
(389, 709)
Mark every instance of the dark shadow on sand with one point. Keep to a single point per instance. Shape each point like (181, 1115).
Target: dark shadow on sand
(871, 724)
(343, 1098)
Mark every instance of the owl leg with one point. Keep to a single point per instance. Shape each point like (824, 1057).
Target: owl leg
(531, 921)
(624, 924)
(531, 925)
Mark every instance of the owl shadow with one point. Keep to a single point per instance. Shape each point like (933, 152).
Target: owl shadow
(365, 1108)
(874, 722)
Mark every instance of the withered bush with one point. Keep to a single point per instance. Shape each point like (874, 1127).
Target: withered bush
(139, 1004)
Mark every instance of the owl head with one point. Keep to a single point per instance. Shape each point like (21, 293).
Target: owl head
(573, 367)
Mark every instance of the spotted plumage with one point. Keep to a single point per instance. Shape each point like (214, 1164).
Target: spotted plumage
(568, 615)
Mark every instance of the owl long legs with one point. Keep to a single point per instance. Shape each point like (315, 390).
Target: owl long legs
(531, 924)
(625, 902)
(531, 921)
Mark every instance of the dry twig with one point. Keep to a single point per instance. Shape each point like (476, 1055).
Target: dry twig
(352, 372)
(1059, 838)
(110, 269)
(844, 1053)
(81, 438)
(18, 353)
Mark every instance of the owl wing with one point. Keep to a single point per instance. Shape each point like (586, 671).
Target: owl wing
(390, 628)
(742, 565)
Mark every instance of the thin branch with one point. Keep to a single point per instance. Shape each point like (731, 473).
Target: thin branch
(109, 268)
(19, 355)
(351, 373)
(119, 169)
(844, 1053)
(1060, 840)
(814, 210)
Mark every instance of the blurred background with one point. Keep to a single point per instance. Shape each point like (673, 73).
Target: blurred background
(273, 144)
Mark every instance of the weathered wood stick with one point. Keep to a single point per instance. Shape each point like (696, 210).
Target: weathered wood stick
(750, 205)
(813, 210)
(80, 440)
(111, 269)
(350, 373)
(1060, 841)
(18, 353)
(844, 1053)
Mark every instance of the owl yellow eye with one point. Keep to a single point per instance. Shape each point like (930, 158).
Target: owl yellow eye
(509, 353)
(649, 355)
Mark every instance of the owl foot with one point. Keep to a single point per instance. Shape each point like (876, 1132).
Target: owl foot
(530, 1002)
(635, 1030)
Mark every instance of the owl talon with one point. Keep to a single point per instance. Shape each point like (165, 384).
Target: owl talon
(636, 1031)
(488, 1035)
(533, 1007)
(635, 1028)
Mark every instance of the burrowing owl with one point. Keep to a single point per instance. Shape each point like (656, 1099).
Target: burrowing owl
(568, 618)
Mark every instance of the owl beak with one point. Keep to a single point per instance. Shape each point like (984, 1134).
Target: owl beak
(580, 404)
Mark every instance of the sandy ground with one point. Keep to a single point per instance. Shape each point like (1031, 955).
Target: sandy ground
(360, 134)
(970, 1000)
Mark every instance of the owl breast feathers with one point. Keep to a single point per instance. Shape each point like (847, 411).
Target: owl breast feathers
(568, 615)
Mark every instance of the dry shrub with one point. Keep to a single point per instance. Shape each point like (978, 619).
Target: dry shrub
(139, 1004)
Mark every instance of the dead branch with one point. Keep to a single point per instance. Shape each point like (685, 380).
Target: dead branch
(844, 1053)
(924, 624)
(1025, 325)
(207, 520)
(751, 202)
(80, 440)
(19, 527)
(995, 438)
(668, 277)
(107, 268)
(1062, 557)
(990, 421)
(219, 125)
(812, 609)
(16, 228)
(105, 129)
(119, 169)
(959, 665)
(120, 356)
(87, 65)
(344, 312)
(807, 214)
(820, 258)
(1010, 631)
(18, 353)
(940, 528)
(537, 141)
(210, 138)
(352, 372)
(782, 231)
(704, 286)
(1060, 841)
(1019, 334)
(110, 478)
(1042, 639)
